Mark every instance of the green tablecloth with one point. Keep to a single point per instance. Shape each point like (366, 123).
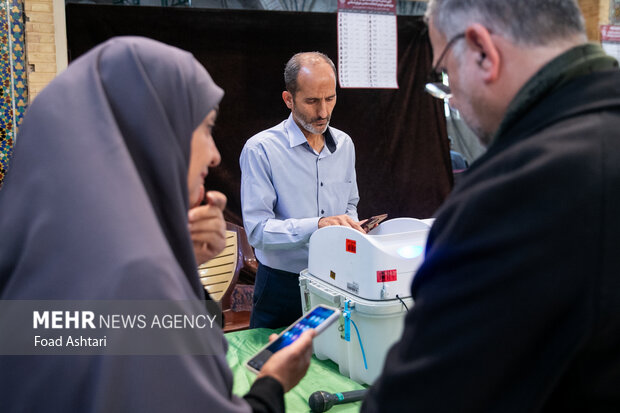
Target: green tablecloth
(322, 374)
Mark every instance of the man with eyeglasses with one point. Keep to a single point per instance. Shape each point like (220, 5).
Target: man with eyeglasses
(517, 305)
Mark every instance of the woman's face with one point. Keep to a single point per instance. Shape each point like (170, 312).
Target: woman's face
(203, 154)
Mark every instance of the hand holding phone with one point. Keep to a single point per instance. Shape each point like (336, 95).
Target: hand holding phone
(372, 222)
(289, 365)
(319, 318)
(287, 358)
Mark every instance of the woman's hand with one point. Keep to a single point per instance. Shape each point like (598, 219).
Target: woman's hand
(290, 364)
(207, 227)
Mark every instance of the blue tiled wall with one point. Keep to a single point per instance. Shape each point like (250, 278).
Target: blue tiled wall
(13, 83)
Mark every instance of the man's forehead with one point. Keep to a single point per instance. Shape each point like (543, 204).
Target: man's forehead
(315, 68)
(313, 94)
(310, 81)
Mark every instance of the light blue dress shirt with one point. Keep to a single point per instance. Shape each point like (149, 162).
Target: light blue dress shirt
(286, 187)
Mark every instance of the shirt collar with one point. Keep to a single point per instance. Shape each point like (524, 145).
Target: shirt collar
(296, 136)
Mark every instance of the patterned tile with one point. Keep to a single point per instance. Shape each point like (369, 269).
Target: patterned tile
(13, 83)
(614, 12)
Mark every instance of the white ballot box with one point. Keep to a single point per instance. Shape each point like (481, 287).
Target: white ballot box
(368, 276)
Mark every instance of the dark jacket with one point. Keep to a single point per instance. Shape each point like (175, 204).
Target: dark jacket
(517, 306)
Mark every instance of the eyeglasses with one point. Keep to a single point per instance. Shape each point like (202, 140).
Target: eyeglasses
(436, 88)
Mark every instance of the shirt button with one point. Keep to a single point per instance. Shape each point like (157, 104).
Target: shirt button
(321, 183)
(322, 211)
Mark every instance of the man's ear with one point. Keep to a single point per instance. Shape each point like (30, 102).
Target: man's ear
(488, 57)
(288, 99)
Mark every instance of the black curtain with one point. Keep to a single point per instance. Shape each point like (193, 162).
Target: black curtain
(403, 163)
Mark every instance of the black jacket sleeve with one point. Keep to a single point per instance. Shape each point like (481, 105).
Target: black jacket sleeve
(266, 395)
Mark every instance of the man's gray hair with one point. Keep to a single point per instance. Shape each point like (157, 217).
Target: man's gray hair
(528, 22)
(294, 65)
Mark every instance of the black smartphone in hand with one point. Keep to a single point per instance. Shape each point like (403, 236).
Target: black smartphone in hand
(373, 222)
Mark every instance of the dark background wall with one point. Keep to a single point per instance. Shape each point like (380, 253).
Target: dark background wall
(402, 150)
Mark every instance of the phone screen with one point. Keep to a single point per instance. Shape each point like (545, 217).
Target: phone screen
(311, 320)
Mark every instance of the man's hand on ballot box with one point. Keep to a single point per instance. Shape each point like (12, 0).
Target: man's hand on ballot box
(343, 220)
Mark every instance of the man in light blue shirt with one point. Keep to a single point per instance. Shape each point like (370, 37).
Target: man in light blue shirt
(295, 178)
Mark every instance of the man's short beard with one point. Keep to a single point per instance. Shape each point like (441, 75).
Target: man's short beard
(308, 126)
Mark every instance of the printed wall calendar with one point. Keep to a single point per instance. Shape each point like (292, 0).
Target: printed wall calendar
(367, 44)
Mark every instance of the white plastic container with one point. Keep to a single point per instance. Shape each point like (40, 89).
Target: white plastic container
(379, 265)
(380, 324)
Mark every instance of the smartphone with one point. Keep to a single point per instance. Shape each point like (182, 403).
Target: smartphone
(319, 318)
(373, 222)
